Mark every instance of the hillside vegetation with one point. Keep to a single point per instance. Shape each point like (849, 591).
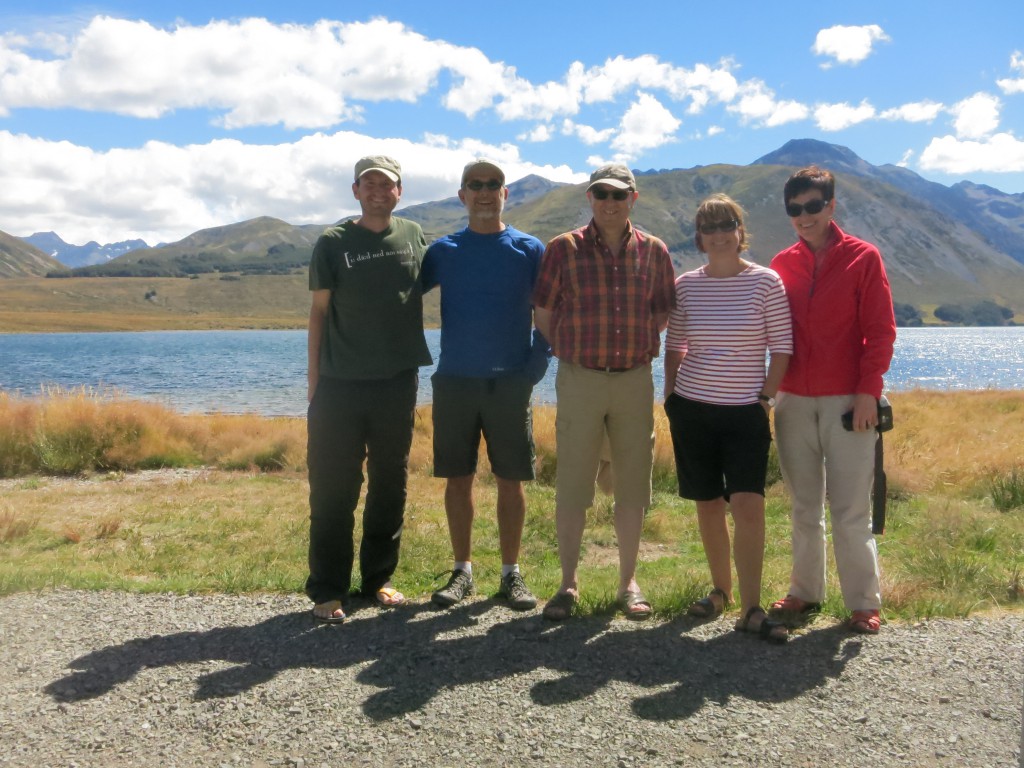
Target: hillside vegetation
(950, 249)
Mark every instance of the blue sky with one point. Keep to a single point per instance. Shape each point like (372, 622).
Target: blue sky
(154, 120)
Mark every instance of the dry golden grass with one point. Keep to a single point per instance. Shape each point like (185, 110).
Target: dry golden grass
(953, 441)
(948, 549)
(942, 440)
(83, 430)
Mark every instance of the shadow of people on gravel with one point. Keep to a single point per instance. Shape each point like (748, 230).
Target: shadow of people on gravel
(727, 665)
(257, 652)
(414, 652)
(518, 646)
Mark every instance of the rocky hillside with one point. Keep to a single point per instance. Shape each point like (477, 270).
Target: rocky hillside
(20, 259)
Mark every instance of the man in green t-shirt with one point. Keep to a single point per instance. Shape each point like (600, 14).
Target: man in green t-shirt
(365, 346)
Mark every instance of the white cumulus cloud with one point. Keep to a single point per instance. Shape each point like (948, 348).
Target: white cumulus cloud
(976, 116)
(250, 72)
(1000, 153)
(756, 103)
(848, 45)
(837, 117)
(914, 112)
(586, 133)
(160, 192)
(1014, 85)
(647, 124)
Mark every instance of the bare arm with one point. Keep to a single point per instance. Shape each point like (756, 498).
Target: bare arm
(673, 357)
(661, 320)
(777, 365)
(317, 321)
(542, 319)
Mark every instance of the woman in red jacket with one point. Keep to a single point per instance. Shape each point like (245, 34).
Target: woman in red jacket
(843, 335)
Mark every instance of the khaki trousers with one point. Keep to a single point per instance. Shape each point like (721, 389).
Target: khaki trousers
(820, 460)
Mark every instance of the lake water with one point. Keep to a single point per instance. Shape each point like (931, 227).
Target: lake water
(265, 371)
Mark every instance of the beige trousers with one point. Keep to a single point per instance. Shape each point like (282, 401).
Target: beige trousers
(820, 460)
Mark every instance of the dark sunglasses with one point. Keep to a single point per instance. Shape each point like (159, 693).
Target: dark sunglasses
(617, 194)
(476, 185)
(812, 207)
(725, 226)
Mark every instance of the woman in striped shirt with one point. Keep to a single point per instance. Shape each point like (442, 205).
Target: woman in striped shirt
(717, 398)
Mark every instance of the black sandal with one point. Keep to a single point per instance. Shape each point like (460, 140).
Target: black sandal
(768, 629)
(706, 608)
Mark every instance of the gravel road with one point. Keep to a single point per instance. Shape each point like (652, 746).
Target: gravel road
(112, 679)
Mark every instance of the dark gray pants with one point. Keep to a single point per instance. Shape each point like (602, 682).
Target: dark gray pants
(351, 421)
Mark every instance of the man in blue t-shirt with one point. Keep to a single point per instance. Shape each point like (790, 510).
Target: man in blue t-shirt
(490, 359)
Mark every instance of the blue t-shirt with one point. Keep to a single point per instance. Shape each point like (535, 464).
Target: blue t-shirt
(486, 313)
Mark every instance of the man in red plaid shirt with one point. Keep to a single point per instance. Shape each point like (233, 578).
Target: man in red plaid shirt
(602, 298)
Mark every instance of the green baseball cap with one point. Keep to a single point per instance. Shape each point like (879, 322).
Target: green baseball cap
(386, 165)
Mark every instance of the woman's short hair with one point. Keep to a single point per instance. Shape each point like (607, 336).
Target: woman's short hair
(806, 179)
(718, 209)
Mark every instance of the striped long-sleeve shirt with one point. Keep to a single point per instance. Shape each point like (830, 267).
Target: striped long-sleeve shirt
(723, 327)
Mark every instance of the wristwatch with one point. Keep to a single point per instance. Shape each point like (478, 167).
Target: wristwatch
(765, 399)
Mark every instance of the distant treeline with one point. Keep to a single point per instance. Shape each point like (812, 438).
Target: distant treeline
(981, 313)
(278, 260)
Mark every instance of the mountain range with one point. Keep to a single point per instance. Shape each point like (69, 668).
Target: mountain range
(940, 244)
(81, 255)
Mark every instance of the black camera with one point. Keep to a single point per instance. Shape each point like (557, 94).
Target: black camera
(884, 416)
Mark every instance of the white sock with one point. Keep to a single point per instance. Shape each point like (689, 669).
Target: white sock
(507, 569)
(466, 566)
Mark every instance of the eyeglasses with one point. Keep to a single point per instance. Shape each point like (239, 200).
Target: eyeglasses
(476, 185)
(812, 207)
(725, 226)
(617, 194)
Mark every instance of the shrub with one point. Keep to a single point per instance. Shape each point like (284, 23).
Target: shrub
(1008, 490)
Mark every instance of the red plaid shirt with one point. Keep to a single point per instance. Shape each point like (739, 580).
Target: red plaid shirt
(603, 306)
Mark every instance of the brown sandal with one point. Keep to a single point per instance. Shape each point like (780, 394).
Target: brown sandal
(560, 607)
(769, 629)
(706, 608)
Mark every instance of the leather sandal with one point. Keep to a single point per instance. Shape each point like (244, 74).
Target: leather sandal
(866, 622)
(769, 629)
(335, 613)
(635, 606)
(560, 607)
(794, 612)
(706, 608)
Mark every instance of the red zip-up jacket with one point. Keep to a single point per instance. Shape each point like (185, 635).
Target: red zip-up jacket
(843, 323)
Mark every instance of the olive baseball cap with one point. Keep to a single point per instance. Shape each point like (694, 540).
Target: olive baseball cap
(614, 175)
(386, 165)
(485, 165)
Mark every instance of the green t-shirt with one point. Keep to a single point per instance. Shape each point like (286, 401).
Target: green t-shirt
(374, 325)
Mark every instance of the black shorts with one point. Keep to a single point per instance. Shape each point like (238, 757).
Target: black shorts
(719, 449)
(499, 409)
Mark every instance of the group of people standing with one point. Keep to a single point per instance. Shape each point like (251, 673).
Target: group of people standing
(598, 299)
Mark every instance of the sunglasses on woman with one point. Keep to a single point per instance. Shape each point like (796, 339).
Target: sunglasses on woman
(812, 207)
(617, 194)
(724, 226)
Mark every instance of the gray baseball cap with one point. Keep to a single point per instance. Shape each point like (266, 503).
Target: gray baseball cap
(614, 175)
(483, 164)
(386, 165)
